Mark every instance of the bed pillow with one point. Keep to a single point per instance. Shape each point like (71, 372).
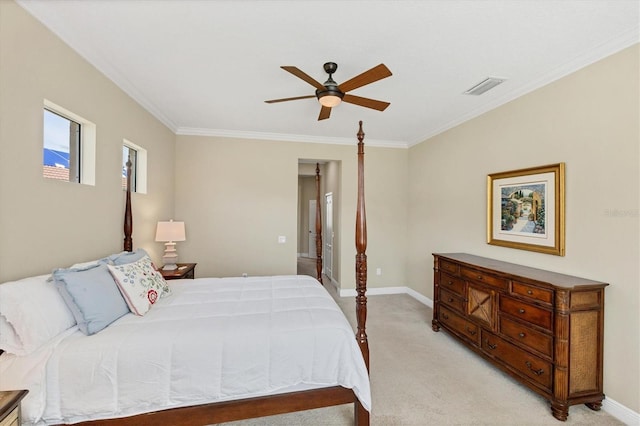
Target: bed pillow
(140, 284)
(35, 310)
(127, 257)
(9, 340)
(92, 296)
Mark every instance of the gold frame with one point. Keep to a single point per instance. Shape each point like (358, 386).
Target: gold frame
(551, 242)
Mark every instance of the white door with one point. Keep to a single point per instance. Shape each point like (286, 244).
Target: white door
(312, 228)
(327, 256)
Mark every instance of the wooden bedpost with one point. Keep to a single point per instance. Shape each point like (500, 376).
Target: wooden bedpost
(362, 415)
(318, 227)
(128, 220)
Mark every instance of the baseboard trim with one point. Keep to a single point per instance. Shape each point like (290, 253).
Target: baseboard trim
(620, 412)
(617, 410)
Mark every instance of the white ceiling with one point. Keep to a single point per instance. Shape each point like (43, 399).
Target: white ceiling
(206, 67)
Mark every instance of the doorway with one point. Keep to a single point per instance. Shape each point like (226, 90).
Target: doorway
(330, 182)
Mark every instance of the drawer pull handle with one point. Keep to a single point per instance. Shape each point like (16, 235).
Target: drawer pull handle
(445, 316)
(521, 311)
(450, 299)
(479, 277)
(450, 282)
(470, 331)
(491, 346)
(521, 334)
(536, 372)
(529, 292)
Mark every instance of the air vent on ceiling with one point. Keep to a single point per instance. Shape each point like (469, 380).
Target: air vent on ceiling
(486, 84)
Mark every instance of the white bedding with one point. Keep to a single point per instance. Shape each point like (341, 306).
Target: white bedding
(213, 339)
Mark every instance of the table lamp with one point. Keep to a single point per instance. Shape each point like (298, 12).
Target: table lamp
(170, 232)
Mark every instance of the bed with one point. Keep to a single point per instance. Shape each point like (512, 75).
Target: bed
(214, 350)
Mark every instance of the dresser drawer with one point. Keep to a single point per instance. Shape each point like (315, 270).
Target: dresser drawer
(11, 419)
(539, 342)
(453, 284)
(526, 312)
(535, 293)
(452, 300)
(458, 324)
(449, 267)
(518, 359)
(487, 279)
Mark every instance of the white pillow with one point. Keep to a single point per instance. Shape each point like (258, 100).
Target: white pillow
(140, 284)
(35, 310)
(9, 340)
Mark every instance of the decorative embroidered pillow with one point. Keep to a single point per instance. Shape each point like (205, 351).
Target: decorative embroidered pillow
(140, 284)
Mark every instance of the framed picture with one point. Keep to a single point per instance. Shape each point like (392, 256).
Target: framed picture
(525, 209)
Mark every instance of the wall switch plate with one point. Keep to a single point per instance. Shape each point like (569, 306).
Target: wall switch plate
(378, 271)
(282, 239)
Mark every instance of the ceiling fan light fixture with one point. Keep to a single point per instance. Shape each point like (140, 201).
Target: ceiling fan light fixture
(330, 97)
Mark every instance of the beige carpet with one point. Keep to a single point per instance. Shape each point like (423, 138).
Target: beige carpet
(419, 377)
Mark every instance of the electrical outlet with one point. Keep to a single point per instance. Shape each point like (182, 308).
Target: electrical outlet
(378, 271)
(282, 239)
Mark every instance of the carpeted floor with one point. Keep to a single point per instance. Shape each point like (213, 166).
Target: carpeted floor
(419, 377)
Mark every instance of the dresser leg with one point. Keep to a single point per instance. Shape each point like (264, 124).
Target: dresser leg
(435, 326)
(595, 406)
(560, 411)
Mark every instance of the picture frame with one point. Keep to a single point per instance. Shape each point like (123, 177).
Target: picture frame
(525, 209)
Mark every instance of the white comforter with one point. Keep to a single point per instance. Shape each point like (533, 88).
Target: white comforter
(213, 339)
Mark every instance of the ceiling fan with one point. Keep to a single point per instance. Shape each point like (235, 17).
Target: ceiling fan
(330, 94)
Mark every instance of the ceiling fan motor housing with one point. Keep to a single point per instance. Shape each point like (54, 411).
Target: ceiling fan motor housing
(330, 86)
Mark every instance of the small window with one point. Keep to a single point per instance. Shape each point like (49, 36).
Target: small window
(69, 146)
(129, 154)
(138, 156)
(62, 137)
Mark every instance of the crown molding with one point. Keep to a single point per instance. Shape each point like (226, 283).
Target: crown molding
(284, 137)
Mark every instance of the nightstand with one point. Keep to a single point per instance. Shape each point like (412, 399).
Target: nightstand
(10, 407)
(185, 270)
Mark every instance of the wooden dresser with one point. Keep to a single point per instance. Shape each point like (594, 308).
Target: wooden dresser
(543, 328)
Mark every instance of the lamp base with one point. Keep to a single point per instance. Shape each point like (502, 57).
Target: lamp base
(170, 257)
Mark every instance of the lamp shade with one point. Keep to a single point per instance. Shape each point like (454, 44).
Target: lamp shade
(170, 231)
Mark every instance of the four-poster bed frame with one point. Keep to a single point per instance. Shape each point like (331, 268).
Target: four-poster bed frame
(219, 412)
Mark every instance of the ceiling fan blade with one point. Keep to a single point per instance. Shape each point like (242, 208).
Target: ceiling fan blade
(366, 102)
(374, 74)
(303, 76)
(325, 112)
(273, 101)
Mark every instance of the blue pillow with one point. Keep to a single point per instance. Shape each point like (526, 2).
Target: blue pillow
(127, 257)
(91, 295)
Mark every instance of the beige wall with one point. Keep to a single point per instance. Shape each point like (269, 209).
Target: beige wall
(236, 205)
(44, 223)
(590, 121)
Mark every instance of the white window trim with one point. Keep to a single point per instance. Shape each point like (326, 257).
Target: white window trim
(87, 142)
(141, 166)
